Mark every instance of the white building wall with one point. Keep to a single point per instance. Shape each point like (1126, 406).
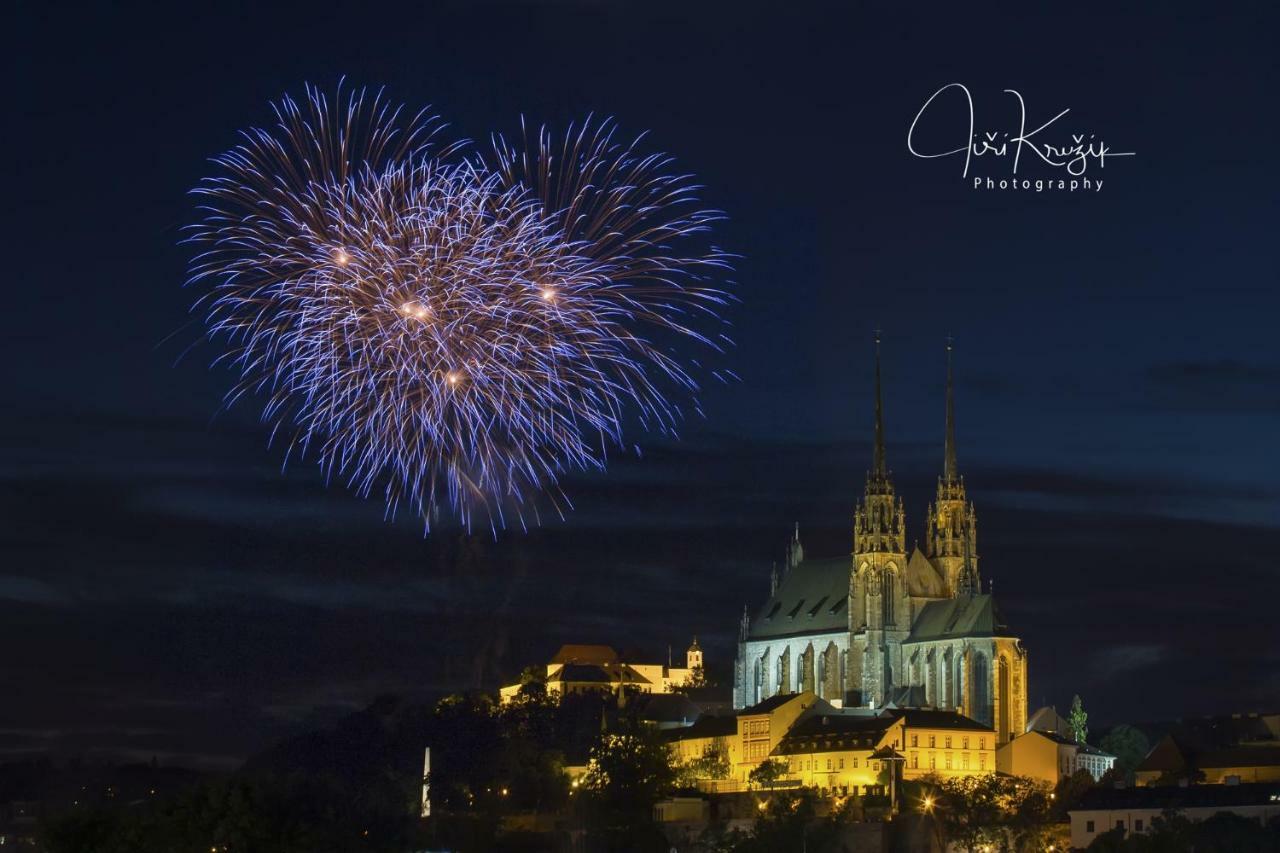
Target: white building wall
(1082, 836)
(769, 652)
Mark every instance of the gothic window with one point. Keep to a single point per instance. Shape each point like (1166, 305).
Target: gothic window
(981, 689)
(1004, 730)
(807, 674)
(831, 672)
(889, 592)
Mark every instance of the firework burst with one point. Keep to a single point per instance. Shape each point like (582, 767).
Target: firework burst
(453, 331)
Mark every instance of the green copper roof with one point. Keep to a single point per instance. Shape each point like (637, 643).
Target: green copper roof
(813, 598)
(963, 616)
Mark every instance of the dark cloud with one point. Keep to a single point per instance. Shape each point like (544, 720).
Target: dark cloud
(1215, 386)
(180, 602)
(1122, 660)
(168, 587)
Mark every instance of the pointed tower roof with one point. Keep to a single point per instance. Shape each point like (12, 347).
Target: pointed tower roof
(950, 471)
(877, 460)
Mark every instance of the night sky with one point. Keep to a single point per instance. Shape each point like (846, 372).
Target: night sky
(166, 590)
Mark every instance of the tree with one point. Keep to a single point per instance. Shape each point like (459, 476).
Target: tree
(530, 765)
(969, 810)
(712, 764)
(786, 824)
(1078, 720)
(1128, 745)
(992, 810)
(1069, 790)
(627, 773)
(768, 773)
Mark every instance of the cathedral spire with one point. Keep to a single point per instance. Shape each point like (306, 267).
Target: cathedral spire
(949, 469)
(877, 461)
(950, 527)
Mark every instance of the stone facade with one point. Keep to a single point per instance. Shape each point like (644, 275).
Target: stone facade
(886, 627)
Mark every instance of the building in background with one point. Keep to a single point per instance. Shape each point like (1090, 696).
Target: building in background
(590, 668)
(1215, 750)
(884, 627)
(1050, 756)
(1047, 719)
(839, 751)
(1133, 810)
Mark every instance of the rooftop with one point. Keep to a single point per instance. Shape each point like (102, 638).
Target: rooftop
(830, 732)
(571, 653)
(708, 725)
(924, 718)
(953, 618)
(769, 705)
(1175, 797)
(812, 598)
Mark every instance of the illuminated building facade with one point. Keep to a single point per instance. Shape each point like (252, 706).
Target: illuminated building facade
(1050, 756)
(884, 627)
(592, 668)
(837, 751)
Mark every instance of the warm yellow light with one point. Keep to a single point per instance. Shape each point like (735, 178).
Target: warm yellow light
(504, 792)
(341, 258)
(928, 803)
(548, 295)
(453, 378)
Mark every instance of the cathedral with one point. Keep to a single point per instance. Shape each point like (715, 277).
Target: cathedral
(882, 627)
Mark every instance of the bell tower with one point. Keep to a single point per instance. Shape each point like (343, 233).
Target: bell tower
(878, 617)
(951, 525)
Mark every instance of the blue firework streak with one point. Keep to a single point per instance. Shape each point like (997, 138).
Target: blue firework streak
(455, 332)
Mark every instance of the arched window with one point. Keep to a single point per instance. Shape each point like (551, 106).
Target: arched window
(862, 597)
(831, 688)
(1005, 730)
(947, 699)
(980, 690)
(889, 594)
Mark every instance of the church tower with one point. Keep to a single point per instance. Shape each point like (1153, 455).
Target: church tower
(879, 617)
(951, 525)
(693, 656)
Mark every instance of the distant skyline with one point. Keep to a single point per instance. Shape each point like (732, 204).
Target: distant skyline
(167, 590)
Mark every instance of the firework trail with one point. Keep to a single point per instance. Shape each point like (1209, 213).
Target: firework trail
(454, 331)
